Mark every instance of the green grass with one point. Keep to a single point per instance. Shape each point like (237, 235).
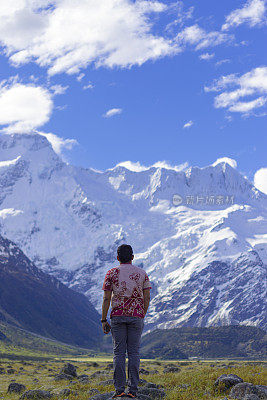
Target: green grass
(199, 375)
(23, 344)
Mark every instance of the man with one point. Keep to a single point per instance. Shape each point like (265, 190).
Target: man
(128, 285)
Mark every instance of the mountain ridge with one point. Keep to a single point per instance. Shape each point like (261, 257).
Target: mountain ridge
(72, 220)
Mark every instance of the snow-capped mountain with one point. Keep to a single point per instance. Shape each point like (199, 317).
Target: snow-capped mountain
(199, 233)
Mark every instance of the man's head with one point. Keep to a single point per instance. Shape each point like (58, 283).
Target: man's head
(125, 254)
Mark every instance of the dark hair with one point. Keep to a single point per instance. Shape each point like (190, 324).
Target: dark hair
(125, 253)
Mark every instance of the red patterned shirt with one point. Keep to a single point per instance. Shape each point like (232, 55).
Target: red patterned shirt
(127, 282)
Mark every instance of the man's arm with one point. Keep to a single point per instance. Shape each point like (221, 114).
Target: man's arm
(106, 303)
(146, 293)
(105, 307)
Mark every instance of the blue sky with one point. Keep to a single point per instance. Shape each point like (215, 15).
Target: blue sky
(144, 81)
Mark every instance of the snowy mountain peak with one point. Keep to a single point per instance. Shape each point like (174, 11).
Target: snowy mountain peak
(31, 150)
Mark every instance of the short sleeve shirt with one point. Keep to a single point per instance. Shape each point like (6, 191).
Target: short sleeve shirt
(127, 283)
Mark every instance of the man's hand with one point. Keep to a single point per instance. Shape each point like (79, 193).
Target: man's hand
(106, 327)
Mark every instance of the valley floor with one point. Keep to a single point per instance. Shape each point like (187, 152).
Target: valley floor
(194, 380)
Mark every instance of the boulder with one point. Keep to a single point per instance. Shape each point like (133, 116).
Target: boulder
(36, 395)
(227, 381)
(16, 388)
(69, 369)
(152, 392)
(240, 390)
(62, 377)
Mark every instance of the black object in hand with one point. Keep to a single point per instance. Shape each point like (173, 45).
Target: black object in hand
(106, 328)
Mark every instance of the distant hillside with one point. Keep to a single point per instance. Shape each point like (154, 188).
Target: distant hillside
(37, 302)
(212, 342)
(17, 343)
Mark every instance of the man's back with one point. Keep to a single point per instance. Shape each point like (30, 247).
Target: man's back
(127, 282)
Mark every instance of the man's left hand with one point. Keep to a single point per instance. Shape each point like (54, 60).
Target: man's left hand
(105, 325)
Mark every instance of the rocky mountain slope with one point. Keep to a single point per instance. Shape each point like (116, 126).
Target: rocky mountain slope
(204, 251)
(38, 302)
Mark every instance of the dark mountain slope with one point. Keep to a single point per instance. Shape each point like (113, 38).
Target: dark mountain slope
(39, 303)
(211, 342)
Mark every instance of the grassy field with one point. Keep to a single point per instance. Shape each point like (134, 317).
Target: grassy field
(195, 381)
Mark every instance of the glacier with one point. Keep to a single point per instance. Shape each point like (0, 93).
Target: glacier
(206, 256)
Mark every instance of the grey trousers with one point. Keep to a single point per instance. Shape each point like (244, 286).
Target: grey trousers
(126, 335)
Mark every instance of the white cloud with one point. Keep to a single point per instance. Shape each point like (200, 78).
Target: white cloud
(227, 160)
(58, 143)
(206, 56)
(23, 107)
(66, 36)
(80, 77)
(260, 180)
(198, 37)
(138, 167)
(112, 112)
(89, 86)
(188, 124)
(58, 89)
(224, 61)
(252, 86)
(252, 14)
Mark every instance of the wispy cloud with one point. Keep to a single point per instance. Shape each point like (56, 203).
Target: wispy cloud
(253, 13)
(206, 56)
(58, 89)
(112, 112)
(252, 86)
(200, 39)
(89, 86)
(188, 124)
(221, 62)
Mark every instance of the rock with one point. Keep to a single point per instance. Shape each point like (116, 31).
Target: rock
(97, 374)
(62, 377)
(36, 395)
(262, 391)
(251, 397)
(83, 379)
(153, 393)
(16, 388)
(227, 381)
(171, 369)
(143, 371)
(108, 396)
(152, 385)
(240, 390)
(69, 369)
(104, 396)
